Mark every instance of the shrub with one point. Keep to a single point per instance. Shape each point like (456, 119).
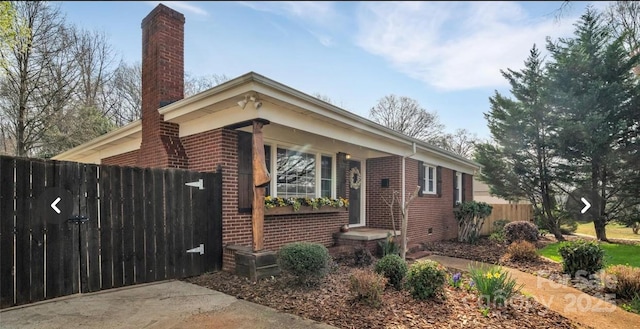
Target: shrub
(394, 268)
(522, 250)
(426, 279)
(493, 284)
(388, 246)
(497, 237)
(367, 287)
(362, 257)
(521, 230)
(568, 227)
(306, 261)
(498, 226)
(626, 281)
(581, 255)
(470, 216)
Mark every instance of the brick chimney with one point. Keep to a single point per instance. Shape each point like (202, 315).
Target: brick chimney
(162, 84)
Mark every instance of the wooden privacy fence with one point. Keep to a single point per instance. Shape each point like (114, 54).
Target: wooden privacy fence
(67, 227)
(510, 212)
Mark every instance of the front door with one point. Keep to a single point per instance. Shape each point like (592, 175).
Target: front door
(355, 192)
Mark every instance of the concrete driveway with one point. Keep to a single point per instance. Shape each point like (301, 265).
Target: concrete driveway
(168, 304)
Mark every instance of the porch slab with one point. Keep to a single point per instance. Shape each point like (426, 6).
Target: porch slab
(364, 234)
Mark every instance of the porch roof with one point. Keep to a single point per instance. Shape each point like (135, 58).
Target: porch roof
(225, 97)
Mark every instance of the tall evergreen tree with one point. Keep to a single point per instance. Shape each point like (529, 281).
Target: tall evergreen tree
(595, 95)
(522, 162)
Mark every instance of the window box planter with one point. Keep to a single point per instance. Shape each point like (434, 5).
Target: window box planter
(288, 210)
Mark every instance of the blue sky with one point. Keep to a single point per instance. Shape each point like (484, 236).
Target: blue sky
(446, 55)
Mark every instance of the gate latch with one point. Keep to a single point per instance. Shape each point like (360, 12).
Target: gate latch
(78, 219)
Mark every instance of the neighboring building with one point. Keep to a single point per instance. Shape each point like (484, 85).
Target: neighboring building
(481, 194)
(312, 149)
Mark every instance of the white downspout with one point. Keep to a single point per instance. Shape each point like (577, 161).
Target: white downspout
(404, 192)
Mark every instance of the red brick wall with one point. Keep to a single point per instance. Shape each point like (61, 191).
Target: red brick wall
(378, 212)
(125, 159)
(431, 211)
(428, 211)
(318, 228)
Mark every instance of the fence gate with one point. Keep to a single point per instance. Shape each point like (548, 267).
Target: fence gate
(67, 227)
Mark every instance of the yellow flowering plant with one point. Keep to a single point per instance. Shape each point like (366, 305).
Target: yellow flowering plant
(296, 203)
(494, 285)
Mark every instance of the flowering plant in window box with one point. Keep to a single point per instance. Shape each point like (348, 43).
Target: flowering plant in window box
(307, 204)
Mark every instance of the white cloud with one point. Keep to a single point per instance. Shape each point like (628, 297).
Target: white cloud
(318, 14)
(181, 6)
(454, 46)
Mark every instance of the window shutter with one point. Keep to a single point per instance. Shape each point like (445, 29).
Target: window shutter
(455, 188)
(421, 173)
(439, 180)
(462, 187)
(245, 172)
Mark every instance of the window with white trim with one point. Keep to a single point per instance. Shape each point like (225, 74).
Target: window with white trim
(430, 179)
(297, 174)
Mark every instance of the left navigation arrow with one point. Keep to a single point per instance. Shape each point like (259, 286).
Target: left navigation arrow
(53, 205)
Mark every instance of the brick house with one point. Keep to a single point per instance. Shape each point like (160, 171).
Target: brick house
(311, 149)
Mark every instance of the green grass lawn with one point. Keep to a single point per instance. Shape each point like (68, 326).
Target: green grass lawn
(614, 254)
(614, 231)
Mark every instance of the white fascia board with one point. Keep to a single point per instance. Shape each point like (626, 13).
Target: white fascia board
(118, 136)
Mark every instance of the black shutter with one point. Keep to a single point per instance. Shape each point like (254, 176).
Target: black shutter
(439, 180)
(421, 177)
(463, 189)
(245, 172)
(455, 188)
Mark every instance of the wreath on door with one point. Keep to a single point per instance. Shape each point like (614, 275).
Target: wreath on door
(355, 179)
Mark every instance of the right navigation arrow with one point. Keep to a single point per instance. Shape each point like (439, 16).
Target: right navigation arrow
(587, 205)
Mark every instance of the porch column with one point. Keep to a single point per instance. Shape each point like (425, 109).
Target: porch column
(261, 178)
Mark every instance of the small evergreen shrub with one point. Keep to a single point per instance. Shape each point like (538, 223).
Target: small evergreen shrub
(392, 267)
(367, 286)
(493, 284)
(522, 251)
(362, 257)
(581, 255)
(306, 261)
(426, 279)
(626, 281)
(520, 230)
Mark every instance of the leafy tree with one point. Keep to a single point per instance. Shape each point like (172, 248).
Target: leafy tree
(521, 161)
(596, 98)
(406, 116)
